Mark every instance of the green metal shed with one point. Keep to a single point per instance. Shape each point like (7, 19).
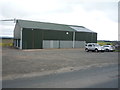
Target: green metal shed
(39, 35)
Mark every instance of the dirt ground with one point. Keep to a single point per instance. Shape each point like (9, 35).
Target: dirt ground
(25, 63)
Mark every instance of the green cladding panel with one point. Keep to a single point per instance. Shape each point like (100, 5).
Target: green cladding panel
(57, 35)
(80, 36)
(94, 37)
(31, 39)
(27, 39)
(89, 37)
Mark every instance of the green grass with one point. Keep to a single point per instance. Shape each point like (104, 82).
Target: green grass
(6, 44)
(104, 43)
(117, 50)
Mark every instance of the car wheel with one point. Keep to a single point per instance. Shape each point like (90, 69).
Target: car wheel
(86, 50)
(96, 50)
(107, 50)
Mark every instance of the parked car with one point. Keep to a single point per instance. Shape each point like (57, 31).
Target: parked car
(109, 48)
(94, 47)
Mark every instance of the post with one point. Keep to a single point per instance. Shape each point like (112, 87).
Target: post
(92, 38)
(74, 39)
(33, 39)
(21, 38)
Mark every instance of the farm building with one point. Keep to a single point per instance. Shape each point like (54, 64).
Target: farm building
(39, 35)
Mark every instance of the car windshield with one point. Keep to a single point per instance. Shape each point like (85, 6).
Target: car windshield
(106, 46)
(97, 45)
(90, 45)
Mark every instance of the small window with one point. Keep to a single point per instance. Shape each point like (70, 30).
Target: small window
(90, 45)
(93, 45)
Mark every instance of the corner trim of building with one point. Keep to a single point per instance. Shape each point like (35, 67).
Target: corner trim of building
(21, 38)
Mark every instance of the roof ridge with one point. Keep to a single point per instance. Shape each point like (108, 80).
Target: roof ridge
(43, 25)
(49, 23)
(39, 22)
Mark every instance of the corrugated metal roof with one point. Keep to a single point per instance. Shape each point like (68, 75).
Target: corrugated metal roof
(51, 26)
(80, 29)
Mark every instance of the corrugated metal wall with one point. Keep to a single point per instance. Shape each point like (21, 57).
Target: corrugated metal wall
(63, 44)
(86, 36)
(50, 44)
(32, 39)
(57, 35)
(66, 44)
(38, 39)
(80, 44)
(17, 31)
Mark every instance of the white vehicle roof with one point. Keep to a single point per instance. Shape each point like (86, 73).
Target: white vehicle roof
(93, 43)
(108, 45)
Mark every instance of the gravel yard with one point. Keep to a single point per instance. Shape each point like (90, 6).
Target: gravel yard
(26, 62)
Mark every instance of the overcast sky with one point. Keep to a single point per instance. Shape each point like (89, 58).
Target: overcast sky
(100, 16)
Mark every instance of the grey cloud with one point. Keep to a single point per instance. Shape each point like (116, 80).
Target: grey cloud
(109, 8)
(6, 32)
(9, 10)
(64, 11)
